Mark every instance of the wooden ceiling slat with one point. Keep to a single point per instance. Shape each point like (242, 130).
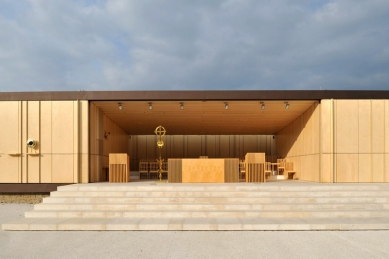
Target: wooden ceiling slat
(198, 117)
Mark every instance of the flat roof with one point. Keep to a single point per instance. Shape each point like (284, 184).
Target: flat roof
(214, 95)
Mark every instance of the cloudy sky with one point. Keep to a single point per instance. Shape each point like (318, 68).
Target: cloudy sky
(193, 45)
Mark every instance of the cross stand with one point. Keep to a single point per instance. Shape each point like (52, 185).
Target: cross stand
(160, 132)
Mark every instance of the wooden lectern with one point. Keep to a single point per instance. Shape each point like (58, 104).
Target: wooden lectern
(119, 168)
(255, 167)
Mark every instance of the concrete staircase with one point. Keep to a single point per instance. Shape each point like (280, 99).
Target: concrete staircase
(286, 205)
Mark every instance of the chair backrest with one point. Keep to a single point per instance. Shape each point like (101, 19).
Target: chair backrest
(143, 166)
(242, 166)
(289, 166)
(281, 162)
(267, 167)
(154, 167)
(165, 166)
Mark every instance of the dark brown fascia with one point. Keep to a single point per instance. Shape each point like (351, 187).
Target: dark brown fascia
(241, 95)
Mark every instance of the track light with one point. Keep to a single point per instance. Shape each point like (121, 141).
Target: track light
(181, 106)
(226, 105)
(286, 105)
(120, 106)
(150, 106)
(263, 105)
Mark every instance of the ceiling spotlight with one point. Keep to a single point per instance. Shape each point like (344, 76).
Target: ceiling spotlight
(120, 106)
(181, 106)
(286, 105)
(150, 106)
(226, 105)
(263, 105)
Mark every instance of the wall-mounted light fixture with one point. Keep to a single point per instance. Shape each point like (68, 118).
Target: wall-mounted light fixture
(181, 106)
(286, 105)
(263, 105)
(150, 106)
(106, 134)
(120, 106)
(226, 105)
(31, 143)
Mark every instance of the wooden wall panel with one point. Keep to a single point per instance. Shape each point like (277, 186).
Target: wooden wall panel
(364, 126)
(84, 141)
(359, 132)
(33, 132)
(24, 117)
(377, 168)
(142, 147)
(62, 166)
(325, 168)
(386, 165)
(151, 147)
(193, 146)
(211, 146)
(250, 144)
(46, 142)
(224, 146)
(326, 126)
(10, 116)
(386, 130)
(378, 126)
(177, 146)
(364, 168)
(62, 127)
(347, 168)
(299, 143)
(347, 122)
(10, 169)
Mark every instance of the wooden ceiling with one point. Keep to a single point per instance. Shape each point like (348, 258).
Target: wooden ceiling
(204, 117)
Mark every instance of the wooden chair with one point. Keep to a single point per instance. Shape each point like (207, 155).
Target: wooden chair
(164, 170)
(289, 171)
(153, 170)
(281, 166)
(242, 170)
(143, 169)
(267, 169)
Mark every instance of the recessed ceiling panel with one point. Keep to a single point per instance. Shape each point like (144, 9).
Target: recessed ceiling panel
(204, 117)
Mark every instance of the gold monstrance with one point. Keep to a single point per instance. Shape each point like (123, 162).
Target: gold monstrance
(160, 132)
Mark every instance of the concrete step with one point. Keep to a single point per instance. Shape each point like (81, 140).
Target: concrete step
(193, 224)
(353, 199)
(285, 205)
(204, 214)
(223, 187)
(217, 194)
(212, 207)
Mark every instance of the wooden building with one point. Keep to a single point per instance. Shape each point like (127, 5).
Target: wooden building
(330, 136)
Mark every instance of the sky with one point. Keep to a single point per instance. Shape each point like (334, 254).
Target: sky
(71, 45)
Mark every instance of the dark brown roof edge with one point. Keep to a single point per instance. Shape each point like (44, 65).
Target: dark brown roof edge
(29, 187)
(195, 95)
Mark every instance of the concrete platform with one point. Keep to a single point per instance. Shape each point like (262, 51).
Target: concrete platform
(284, 205)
